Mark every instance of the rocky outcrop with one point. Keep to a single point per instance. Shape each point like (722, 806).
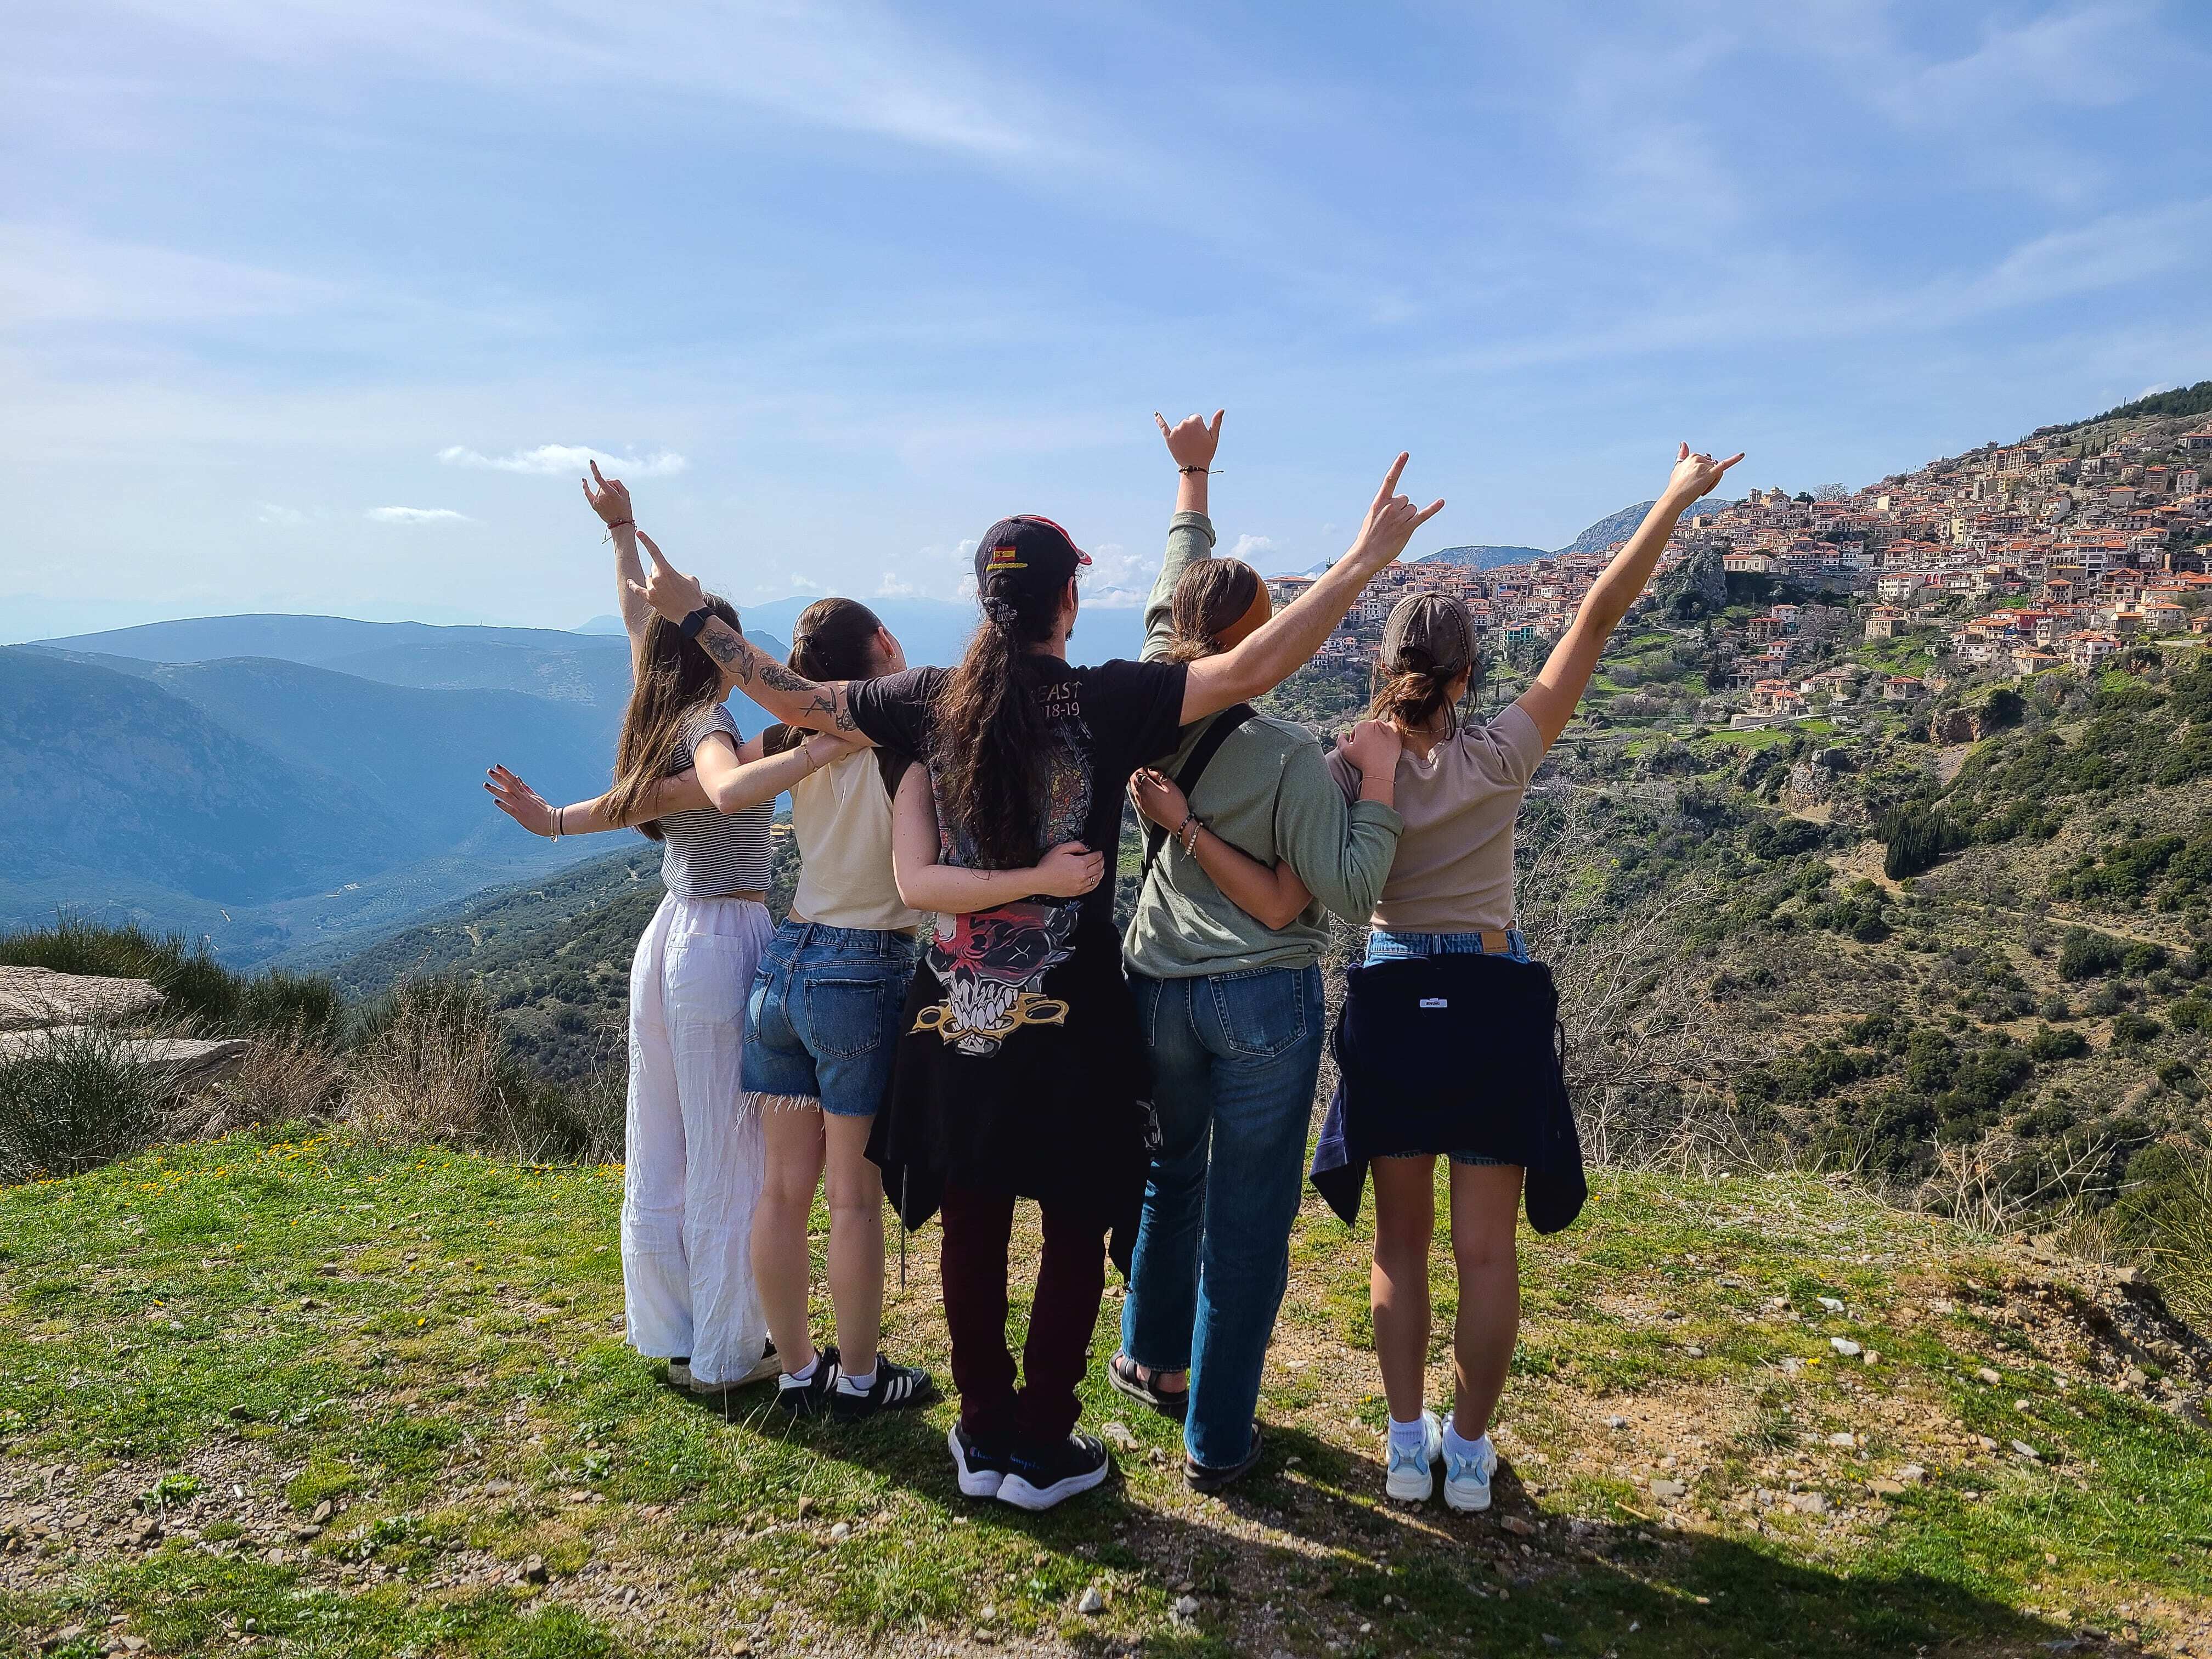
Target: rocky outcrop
(32, 998)
(40, 1008)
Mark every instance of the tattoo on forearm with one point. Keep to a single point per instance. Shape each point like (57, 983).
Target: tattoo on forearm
(777, 677)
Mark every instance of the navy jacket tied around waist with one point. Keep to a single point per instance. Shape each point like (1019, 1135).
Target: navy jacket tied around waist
(1452, 1054)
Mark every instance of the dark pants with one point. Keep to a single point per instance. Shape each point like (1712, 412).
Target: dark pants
(1063, 1310)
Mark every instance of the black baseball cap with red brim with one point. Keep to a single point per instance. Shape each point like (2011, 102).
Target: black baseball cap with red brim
(1034, 553)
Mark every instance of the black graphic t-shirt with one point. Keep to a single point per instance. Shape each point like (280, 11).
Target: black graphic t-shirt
(1020, 1065)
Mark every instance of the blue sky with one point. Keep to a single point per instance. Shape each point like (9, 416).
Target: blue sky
(301, 306)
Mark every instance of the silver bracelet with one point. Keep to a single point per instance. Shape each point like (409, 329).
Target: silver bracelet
(1195, 823)
(559, 813)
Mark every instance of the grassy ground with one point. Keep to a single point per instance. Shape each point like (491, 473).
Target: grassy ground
(317, 1398)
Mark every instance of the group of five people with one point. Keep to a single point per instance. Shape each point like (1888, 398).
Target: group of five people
(948, 1015)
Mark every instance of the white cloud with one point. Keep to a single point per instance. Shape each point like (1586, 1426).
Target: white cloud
(896, 586)
(550, 460)
(1117, 578)
(1252, 548)
(284, 518)
(418, 516)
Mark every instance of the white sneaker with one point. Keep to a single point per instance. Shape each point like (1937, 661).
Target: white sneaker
(1412, 1475)
(1467, 1478)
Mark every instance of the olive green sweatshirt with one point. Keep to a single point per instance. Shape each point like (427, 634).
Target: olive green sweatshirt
(1269, 792)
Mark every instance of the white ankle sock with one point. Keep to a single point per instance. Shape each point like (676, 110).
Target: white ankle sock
(1408, 1437)
(803, 1375)
(1458, 1445)
(857, 1381)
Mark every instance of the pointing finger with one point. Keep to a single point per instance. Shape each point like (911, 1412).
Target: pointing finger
(1390, 479)
(596, 473)
(1429, 512)
(1162, 420)
(652, 550)
(1728, 463)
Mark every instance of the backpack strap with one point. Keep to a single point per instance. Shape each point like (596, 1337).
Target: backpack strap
(1201, 756)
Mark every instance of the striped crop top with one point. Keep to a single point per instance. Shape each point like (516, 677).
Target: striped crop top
(707, 853)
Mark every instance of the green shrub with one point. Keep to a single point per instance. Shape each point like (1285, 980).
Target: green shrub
(2047, 1044)
(2135, 1028)
(72, 1101)
(1916, 839)
(2084, 954)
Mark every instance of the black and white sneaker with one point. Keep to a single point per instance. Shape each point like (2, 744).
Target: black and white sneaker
(1039, 1477)
(982, 1471)
(894, 1388)
(812, 1397)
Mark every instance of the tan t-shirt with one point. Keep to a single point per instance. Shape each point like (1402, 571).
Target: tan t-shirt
(1454, 872)
(842, 814)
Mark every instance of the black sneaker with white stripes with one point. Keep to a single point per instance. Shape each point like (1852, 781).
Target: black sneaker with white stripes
(812, 1397)
(895, 1387)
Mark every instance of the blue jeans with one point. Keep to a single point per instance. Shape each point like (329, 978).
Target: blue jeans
(823, 1017)
(1235, 1057)
(1385, 946)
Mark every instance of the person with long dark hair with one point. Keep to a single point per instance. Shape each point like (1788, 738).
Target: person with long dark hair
(1446, 1039)
(694, 1162)
(1021, 1070)
(820, 1034)
(1251, 844)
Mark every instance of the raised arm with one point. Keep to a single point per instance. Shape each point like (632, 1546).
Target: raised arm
(681, 793)
(1069, 870)
(610, 501)
(790, 696)
(1551, 698)
(1287, 640)
(1191, 445)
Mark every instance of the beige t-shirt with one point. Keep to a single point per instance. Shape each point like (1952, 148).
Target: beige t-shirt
(841, 816)
(1454, 872)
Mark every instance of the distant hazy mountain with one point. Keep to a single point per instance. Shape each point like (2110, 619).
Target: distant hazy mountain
(1620, 526)
(1484, 558)
(601, 625)
(259, 802)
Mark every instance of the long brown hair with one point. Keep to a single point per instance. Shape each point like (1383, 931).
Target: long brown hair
(991, 745)
(675, 678)
(1211, 596)
(833, 639)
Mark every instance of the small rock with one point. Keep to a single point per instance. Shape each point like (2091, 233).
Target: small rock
(1093, 1601)
(1518, 1527)
(240, 1415)
(1666, 1491)
(841, 1532)
(1185, 1606)
(1845, 1346)
(533, 1570)
(1990, 1375)
(1886, 1488)
(1616, 1422)
(1120, 1434)
(1831, 1304)
(1912, 1474)
(1694, 1352)
(2026, 1450)
(1808, 1502)
(1873, 1358)
(323, 1513)
(2136, 1376)
(807, 1507)
(1846, 1440)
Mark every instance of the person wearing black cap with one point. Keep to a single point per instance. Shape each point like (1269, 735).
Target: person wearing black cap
(1445, 1043)
(1021, 1072)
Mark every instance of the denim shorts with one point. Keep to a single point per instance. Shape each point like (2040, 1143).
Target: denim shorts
(823, 1017)
(1385, 946)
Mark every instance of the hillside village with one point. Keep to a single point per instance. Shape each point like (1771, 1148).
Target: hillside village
(2058, 550)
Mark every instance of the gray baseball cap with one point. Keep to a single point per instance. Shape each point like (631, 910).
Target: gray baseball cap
(1428, 634)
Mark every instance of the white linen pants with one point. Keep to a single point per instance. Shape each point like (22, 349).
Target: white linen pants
(695, 1158)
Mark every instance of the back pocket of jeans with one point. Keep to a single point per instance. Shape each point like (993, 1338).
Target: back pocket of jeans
(1262, 1013)
(844, 1017)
